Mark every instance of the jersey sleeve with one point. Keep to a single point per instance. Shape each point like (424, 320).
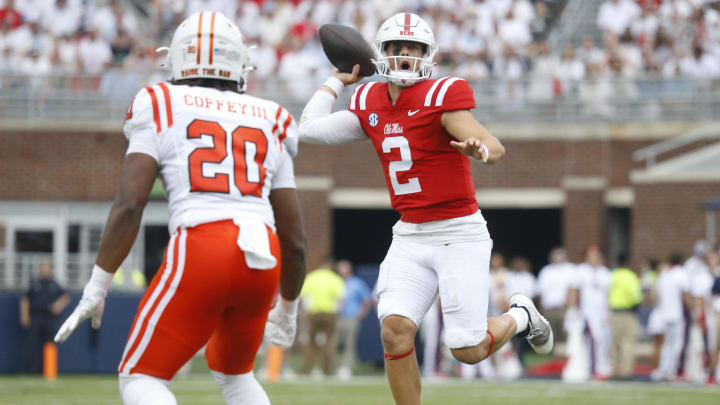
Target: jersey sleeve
(140, 127)
(454, 94)
(286, 130)
(319, 125)
(285, 175)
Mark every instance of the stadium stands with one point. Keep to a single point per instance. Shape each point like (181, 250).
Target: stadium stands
(614, 59)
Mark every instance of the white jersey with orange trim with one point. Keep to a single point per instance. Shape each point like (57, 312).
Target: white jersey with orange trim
(220, 152)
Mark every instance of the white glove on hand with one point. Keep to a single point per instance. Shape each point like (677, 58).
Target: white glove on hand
(92, 304)
(281, 324)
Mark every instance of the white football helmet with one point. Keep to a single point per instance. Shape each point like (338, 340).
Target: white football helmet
(404, 27)
(208, 45)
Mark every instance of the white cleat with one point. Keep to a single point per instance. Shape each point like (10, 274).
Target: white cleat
(539, 333)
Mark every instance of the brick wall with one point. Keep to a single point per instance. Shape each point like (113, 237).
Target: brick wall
(317, 217)
(584, 219)
(86, 166)
(60, 166)
(667, 218)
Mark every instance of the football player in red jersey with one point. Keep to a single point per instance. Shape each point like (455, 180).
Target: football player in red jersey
(423, 132)
(226, 160)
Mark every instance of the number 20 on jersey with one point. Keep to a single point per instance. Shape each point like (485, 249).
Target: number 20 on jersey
(249, 148)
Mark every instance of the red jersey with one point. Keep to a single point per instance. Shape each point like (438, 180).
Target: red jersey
(428, 180)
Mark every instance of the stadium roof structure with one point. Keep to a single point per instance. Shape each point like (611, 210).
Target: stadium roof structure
(701, 165)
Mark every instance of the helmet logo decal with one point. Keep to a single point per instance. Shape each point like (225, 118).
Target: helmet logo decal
(373, 120)
(406, 29)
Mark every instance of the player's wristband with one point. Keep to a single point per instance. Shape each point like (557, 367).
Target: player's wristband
(99, 282)
(334, 84)
(484, 151)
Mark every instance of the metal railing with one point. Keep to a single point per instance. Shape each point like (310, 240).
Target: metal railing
(650, 153)
(26, 266)
(530, 99)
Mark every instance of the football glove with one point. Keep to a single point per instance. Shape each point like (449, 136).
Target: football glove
(281, 324)
(91, 305)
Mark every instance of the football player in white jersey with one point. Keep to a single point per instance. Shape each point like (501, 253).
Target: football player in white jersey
(423, 132)
(225, 159)
(588, 292)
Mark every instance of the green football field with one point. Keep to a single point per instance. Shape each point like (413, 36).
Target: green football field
(200, 389)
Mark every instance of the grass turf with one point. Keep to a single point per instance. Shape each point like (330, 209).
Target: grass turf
(200, 389)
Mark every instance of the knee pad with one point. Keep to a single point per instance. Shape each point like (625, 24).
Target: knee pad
(139, 389)
(241, 389)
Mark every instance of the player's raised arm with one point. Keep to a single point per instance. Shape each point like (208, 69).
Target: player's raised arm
(319, 125)
(473, 138)
(121, 228)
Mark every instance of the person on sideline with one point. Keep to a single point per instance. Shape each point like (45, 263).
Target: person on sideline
(589, 294)
(354, 309)
(225, 158)
(423, 132)
(40, 306)
(553, 283)
(625, 295)
(322, 297)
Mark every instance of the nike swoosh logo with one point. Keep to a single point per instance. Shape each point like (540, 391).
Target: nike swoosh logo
(411, 112)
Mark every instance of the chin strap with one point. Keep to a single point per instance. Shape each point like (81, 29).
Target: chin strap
(399, 356)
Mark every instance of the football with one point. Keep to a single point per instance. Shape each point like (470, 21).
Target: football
(345, 48)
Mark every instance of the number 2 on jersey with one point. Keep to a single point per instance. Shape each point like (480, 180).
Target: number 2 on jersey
(413, 184)
(249, 148)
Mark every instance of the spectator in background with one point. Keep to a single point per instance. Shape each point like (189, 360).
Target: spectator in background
(122, 46)
(589, 53)
(714, 360)
(544, 84)
(520, 278)
(655, 322)
(32, 10)
(553, 284)
(321, 294)
(354, 309)
(10, 15)
(615, 16)
(672, 286)
(625, 296)
(701, 310)
(95, 54)
(39, 308)
(538, 25)
(589, 293)
(700, 65)
(570, 71)
(62, 18)
(514, 32)
(65, 56)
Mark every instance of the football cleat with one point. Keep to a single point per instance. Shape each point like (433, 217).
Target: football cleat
(538, 333)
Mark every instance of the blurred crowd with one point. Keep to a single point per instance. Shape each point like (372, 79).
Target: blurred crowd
(660, 321)
(478, 39)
